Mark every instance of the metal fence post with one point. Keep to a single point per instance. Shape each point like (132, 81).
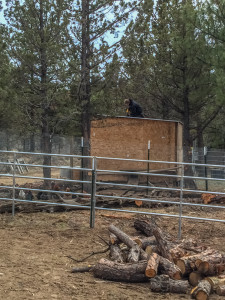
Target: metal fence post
(205, 168)
(93, 192)
(181, 200)
(14, 184)
(82, 164)
(148, 166)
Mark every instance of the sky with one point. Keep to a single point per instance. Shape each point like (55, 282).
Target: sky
(2, 19)
(111, 37)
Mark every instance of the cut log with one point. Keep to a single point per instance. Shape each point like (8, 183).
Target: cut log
(209, 198)
(216, 269)
(143, 226)
(201, 291)
(169, 268)
(138, 203)
(209, 269)
(122, 236)
(209, 264)
(113, 239)
(134, 254)
(186, 248)
(163, 284)
(148, 241)
(152, 265)
(151, 249)
(195, 277)
(150, 227)
(110, 270)
(128, 241)
(220, 290)
(216, 281)
(116, 254)
(188, 264)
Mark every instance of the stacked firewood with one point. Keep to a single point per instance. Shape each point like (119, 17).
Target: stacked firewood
(169, 265)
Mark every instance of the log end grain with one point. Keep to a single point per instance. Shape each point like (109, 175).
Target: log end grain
(201, 291)
(138, 203)
(150, 273)
(203, 267)
(195, 278)
(181, 265)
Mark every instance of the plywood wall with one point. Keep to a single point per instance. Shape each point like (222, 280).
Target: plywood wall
(128, 138)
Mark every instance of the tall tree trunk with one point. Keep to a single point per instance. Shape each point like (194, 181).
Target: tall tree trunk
(200, 145)
(85, 90)
(85, 87)
(186, 131)
(32, 142)
(46, 148)
(46, 135)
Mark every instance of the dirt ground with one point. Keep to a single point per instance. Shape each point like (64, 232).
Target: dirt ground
(34, 252)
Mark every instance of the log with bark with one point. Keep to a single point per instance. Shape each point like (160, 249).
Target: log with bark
(131, 272)
(113, 239)
(116, 253)
(216, 281)
(210, 198)
(190, 263)
(186, 248)
(201, 291)
(136, 251)
(122, 236)
(207, 198)
(134, 254)
(220, 290)
(151, 249)
(213, 264)
(169, 268)
(164, 284)
(150, 227)
(152, 265)
(144, 226)
(144, 242)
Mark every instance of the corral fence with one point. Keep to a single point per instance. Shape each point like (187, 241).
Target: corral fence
(28, 167)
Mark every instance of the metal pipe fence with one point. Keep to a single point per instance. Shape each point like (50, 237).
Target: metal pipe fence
(96, 185)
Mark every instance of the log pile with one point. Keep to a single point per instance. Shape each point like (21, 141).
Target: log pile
(168, 265)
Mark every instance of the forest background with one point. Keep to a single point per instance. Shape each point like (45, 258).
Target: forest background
(64, 62)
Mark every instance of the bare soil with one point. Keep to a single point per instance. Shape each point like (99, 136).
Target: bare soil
(34, 262)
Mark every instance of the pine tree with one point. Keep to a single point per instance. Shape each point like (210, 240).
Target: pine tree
(213, 27)
(39, 46)
(178, 79)
(8, 113)
(93, 21)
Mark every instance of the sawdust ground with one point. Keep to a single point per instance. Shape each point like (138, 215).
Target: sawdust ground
(34, 252)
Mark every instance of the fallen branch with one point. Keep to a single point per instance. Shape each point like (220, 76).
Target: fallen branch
(92, 253)
(82, 269)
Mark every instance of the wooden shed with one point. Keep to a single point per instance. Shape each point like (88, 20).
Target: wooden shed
(126, 137)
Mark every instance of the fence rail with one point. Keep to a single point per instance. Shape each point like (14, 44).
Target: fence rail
(94, 185)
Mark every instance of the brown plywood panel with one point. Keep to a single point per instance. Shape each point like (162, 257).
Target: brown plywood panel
(128, 138)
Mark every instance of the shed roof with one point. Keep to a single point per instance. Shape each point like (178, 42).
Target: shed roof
(125, 117)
